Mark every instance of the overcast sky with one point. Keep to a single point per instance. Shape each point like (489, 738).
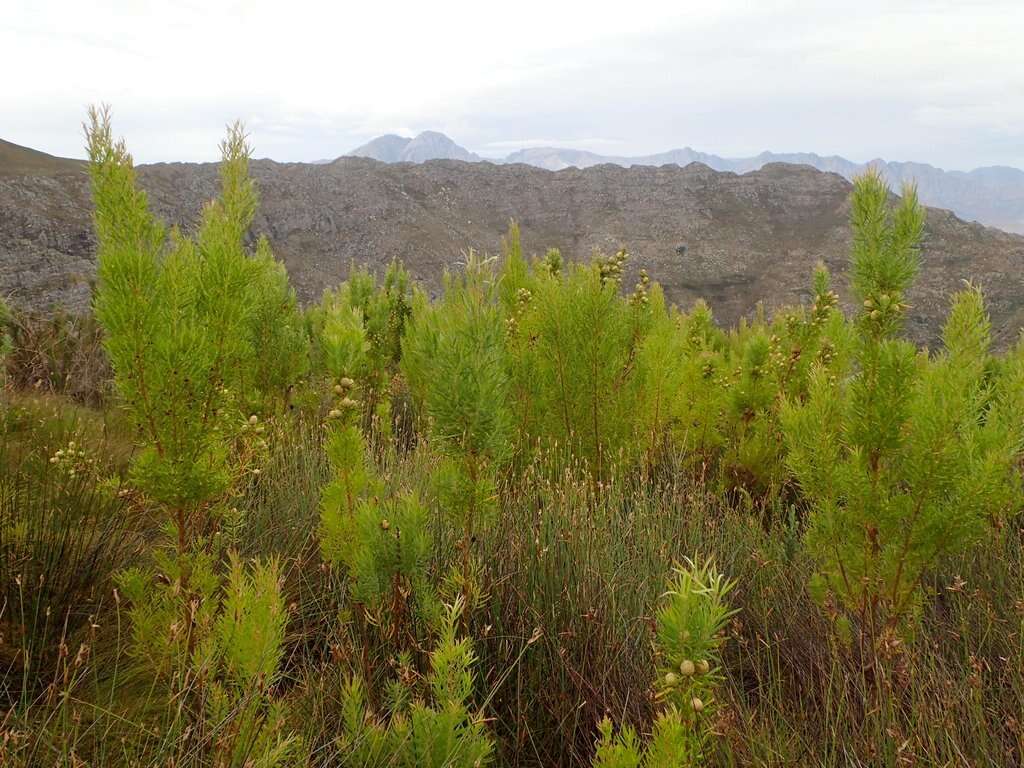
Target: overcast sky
(939, 82)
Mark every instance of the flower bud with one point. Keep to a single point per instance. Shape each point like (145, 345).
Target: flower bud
(687, 668)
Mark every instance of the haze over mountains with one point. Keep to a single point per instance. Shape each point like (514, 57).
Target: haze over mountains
(993, 196)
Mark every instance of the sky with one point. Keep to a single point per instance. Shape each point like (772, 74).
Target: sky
(925, 80)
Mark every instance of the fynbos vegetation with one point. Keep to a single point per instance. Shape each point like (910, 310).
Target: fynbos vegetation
(544, 518)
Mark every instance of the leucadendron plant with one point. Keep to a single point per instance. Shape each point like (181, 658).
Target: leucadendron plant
(453, 356)
(379, 539)
(691, 621)
(181, 317)
(437, 728)
(908, 459)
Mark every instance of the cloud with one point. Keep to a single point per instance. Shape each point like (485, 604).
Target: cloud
(932, 81)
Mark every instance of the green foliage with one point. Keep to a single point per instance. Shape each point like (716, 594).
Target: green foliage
(574, 366)
(441, 732)
(453, 356)
(217, 643)
(383, 546)
(367, 320)
(382, 543)
(279, 340)
(453, 359)
(177, 315)
(196, 331)
(904, 461)
(691, 623)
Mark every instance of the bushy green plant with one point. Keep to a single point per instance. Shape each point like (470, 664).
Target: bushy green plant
(182, 318)
(223, 664)
(174, 315)
(380, 540)
(453, 356)
(691, 622)
(904, 461)
(437, 731)
(280, 345)
(381, 312)
(576, 339)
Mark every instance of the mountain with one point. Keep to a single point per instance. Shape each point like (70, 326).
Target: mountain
(387, 148)
(18, 160)
(429, 145)
(992, 196)
(732, 239)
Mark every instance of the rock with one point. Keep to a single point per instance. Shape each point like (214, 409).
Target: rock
(747, 237)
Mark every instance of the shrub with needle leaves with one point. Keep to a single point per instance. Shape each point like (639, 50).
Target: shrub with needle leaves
(691, 622)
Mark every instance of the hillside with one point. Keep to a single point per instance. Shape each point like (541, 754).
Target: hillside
(993, 196)
(18, 160)
(733, 239)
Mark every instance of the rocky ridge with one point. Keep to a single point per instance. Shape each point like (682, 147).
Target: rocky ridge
(732, 239)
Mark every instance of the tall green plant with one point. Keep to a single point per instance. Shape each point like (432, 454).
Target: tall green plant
(576, 341)
(174, 312)
(181, 321)
(904, 461)
(453, 356)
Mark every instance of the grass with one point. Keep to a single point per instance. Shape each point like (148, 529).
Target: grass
(571, 572)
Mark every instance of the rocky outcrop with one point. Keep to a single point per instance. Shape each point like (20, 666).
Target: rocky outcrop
(733, 239)
(993, 196)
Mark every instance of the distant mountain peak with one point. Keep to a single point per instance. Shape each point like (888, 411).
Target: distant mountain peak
(387, 148)
(427, 145)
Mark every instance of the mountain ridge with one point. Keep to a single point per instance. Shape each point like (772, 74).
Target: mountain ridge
(733, 239)
(991, 195)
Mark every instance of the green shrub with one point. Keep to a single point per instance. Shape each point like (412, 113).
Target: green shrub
(904, 461)
(691, 622)
(435, 732)
(454, 359)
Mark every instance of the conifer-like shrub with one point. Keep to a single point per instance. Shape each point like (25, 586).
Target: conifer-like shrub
(691, 622)
(436, 730)
(910, 457)
(174, 314)
(453, 356)
(182, 319)
(574, 342)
